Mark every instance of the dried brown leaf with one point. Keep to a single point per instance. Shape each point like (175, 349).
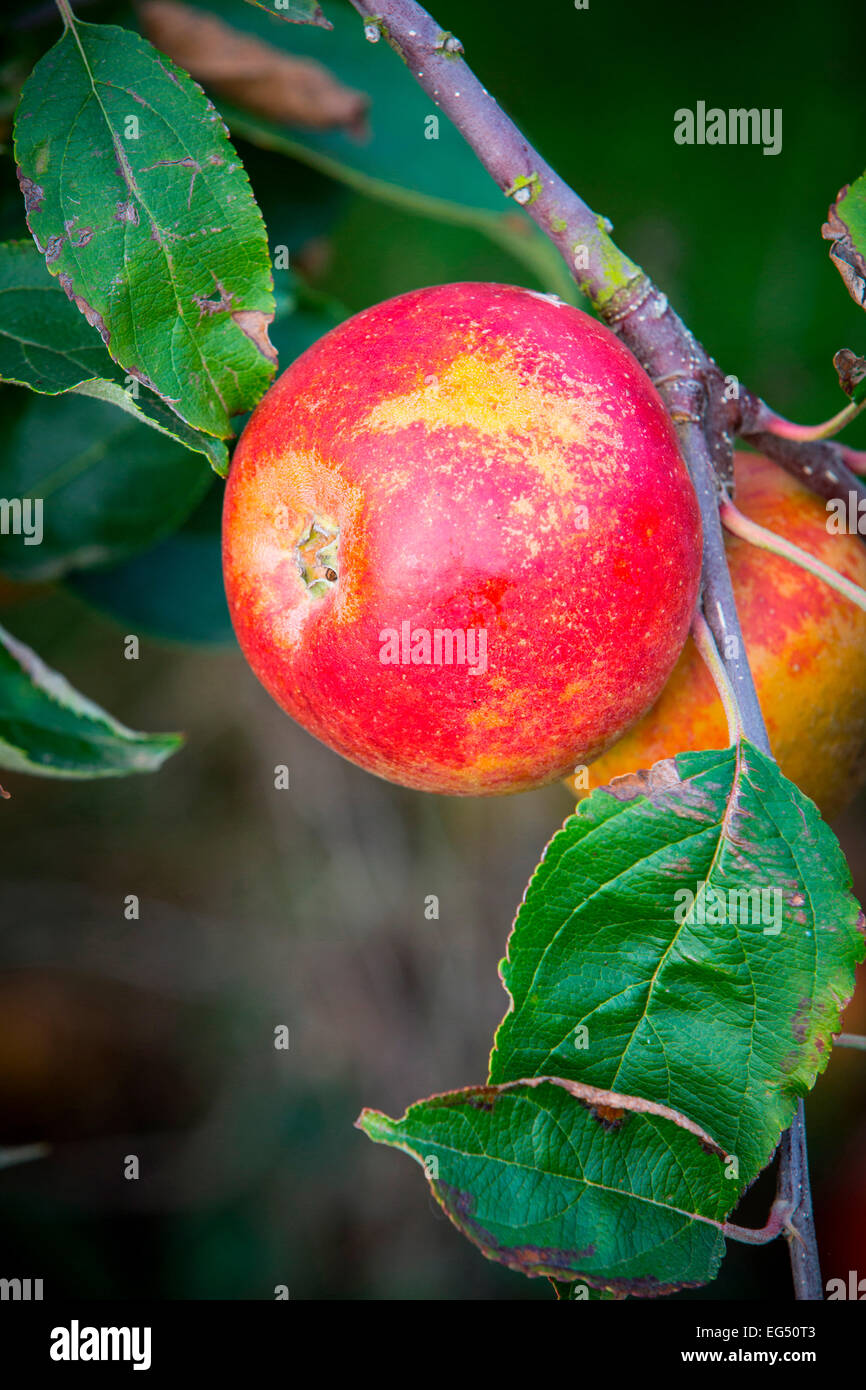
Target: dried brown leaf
(851, 370)
(844, 254)
(251, 74)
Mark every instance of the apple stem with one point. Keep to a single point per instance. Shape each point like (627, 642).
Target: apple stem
(826, 467)
(706, 645)
(719, 606)
(778, 1221)
(740, 525)
(855, 1040)
(789, 429)
(855, 459)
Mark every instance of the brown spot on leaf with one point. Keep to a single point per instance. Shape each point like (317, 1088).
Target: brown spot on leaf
(151, 385)
(664, 774)
(53, 247)
(186, 163)
(664, 787)
(33, 192)
(478, 1097)
(609, 1116)
(479, 1103)
(801, 1019)
(608, 1106)
(533, 1260)
(254, 325)
(538, 1261)
(220, 305)
(93, 318)
(126, 212)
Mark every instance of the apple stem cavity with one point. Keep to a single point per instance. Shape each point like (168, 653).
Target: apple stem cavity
(316, 554)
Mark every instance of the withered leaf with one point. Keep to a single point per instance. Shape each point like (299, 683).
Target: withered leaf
(250, 73)
(851, 370)
(841, 229)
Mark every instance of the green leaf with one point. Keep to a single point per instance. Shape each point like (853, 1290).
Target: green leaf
(47, 728)
(150, 410)
(569, 1185)
(726, 1021)
(394, 160)
(144, 213)
(174, 591)
(47, 345)
(845, 228)
(102, 486)
(294, 11)
(142, 592)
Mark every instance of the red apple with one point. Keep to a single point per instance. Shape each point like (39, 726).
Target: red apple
(481, 462)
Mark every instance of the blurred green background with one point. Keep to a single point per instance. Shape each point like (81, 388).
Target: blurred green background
(305, 907)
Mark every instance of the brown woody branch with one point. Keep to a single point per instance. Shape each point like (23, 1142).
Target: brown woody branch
(707, 412)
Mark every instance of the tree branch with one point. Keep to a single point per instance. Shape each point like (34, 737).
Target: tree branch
(706, 412)
(822, 465)
(793, 1181)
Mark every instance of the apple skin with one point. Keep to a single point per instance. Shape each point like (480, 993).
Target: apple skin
(448, 440)
(806, 645)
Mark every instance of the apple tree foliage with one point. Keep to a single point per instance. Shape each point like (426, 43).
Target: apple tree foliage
(660, 1030)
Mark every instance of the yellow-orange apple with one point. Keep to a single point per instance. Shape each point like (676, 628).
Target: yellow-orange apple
(806, 645)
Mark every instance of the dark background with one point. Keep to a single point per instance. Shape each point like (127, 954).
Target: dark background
(306, 907)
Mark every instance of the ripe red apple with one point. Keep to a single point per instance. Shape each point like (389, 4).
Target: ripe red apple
(481, 462)
(806, 645)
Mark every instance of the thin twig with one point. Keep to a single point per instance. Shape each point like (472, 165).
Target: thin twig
(820, 466)
(739, 525)
(719, 606)
(777, 1222)
(789, 429)
(793, 1180)
(703, 640)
